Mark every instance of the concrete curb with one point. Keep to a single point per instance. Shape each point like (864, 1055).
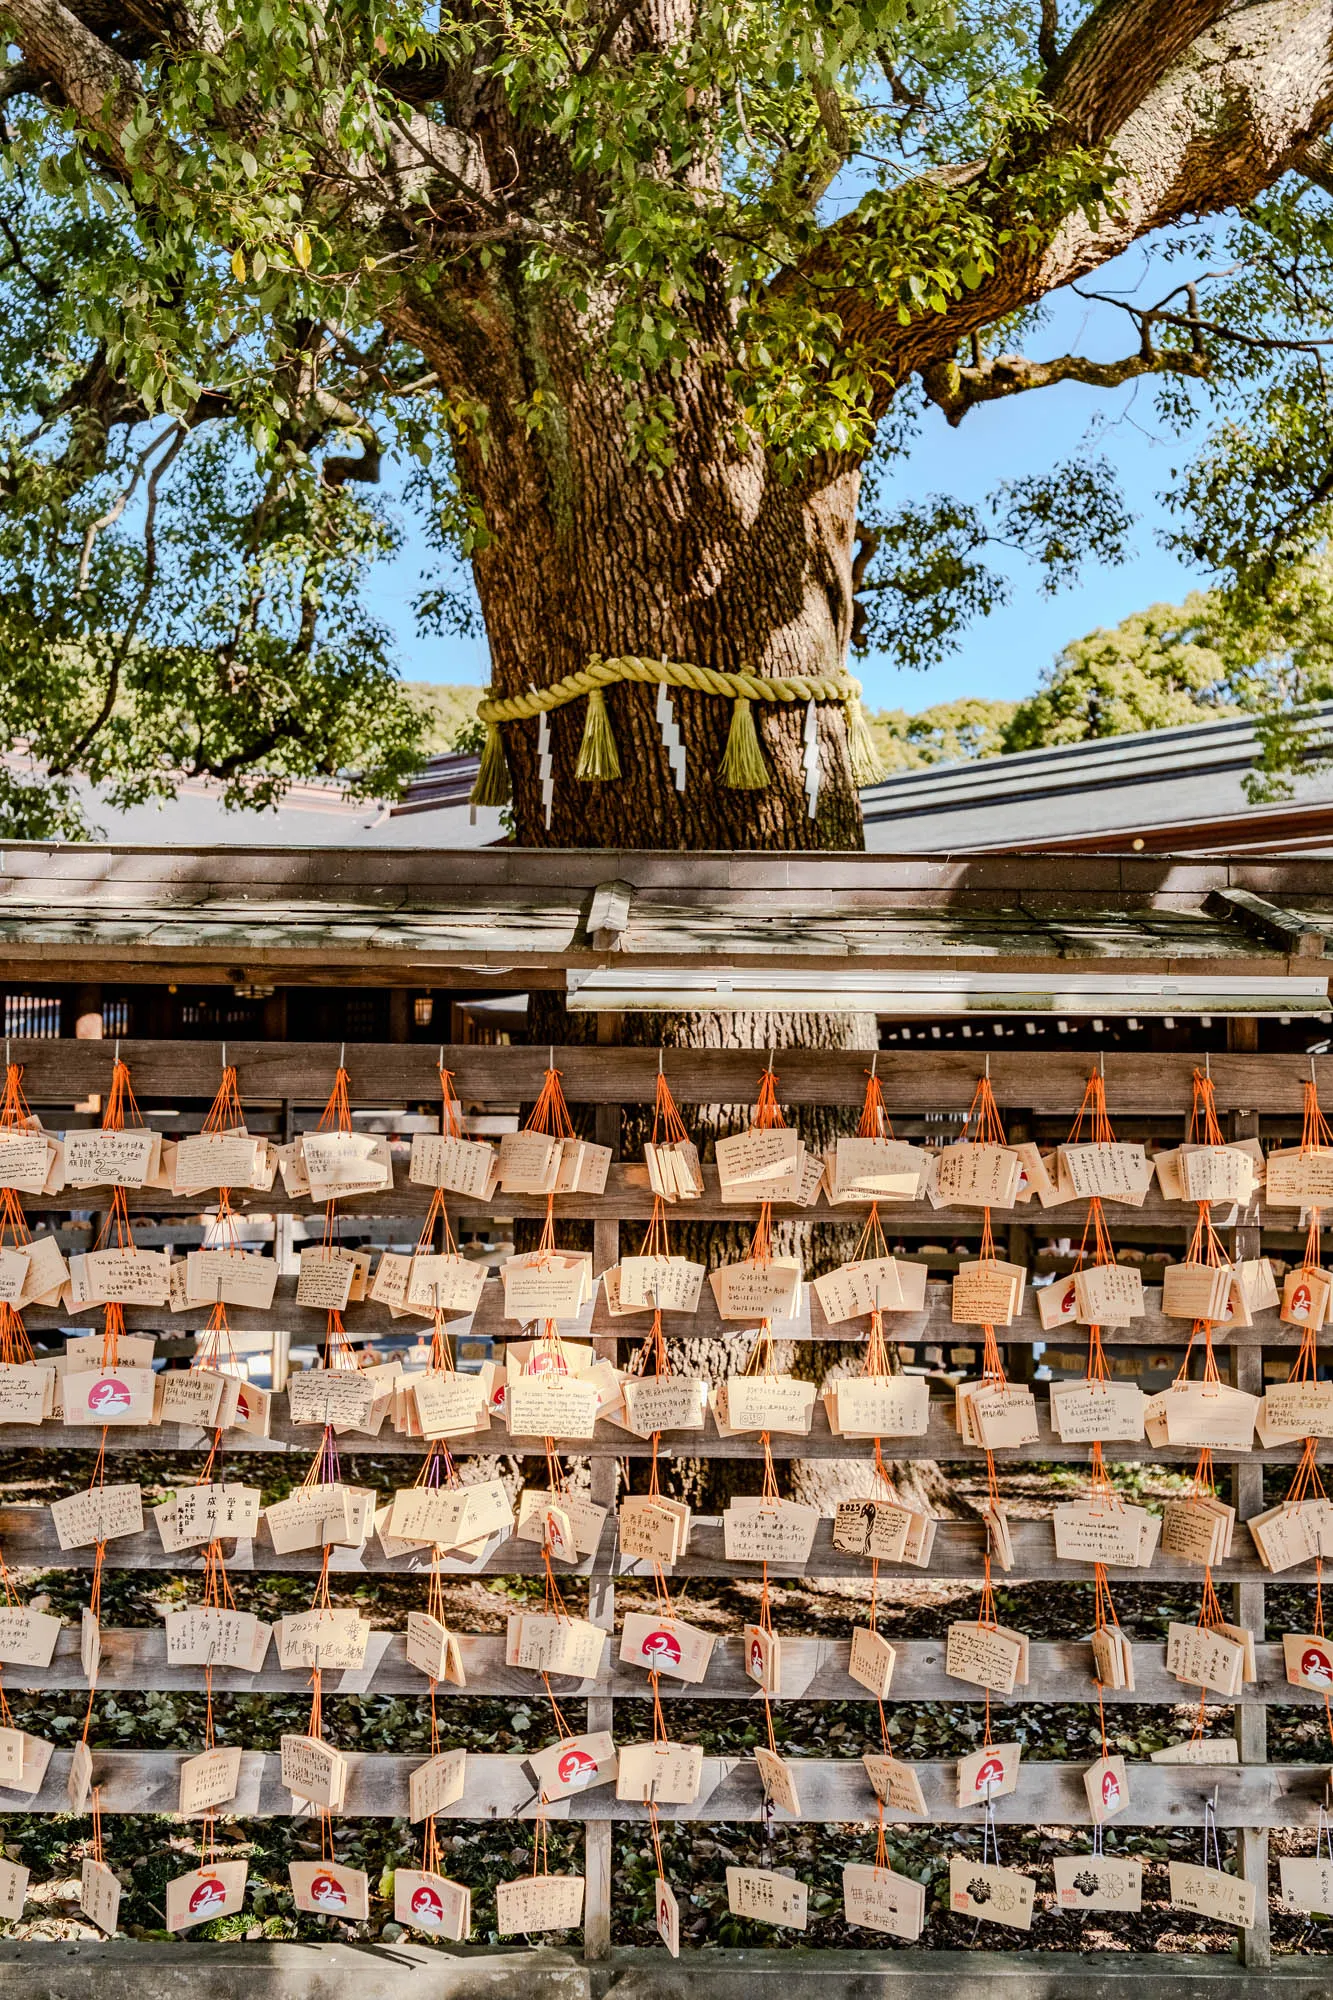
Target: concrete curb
(136, 1971)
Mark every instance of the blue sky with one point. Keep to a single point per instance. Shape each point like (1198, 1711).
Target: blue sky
(1001, 656)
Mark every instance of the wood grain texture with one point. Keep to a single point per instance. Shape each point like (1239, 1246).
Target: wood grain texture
(371, 1321)
(1049, 1082)
(29, 1541)
(941, 1441)
(831, 1791)
(812, 1670)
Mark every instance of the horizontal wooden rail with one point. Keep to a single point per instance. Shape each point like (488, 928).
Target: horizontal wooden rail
(628, 1198)
(134, 1658)
(28, 1539)
(831, 1791)
(941, 1440)
(924, 1080)
(371, 1321)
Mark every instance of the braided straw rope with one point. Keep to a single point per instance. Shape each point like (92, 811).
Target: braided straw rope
(675, 673)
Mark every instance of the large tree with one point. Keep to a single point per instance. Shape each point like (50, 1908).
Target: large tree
(642, 286)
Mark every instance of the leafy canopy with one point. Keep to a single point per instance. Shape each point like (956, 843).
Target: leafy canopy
(259, 248)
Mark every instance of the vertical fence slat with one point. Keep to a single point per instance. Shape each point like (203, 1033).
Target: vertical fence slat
(597, 1833)
(1249, 1603)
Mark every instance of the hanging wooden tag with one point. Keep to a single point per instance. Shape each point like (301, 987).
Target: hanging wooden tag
(577, 1764)
(1109, 1294)
(1196, 1291)
(778, 1780)
(872, 1528)
(878, 1899)
(756, 1290)
(327, 1889)
(1306, 1882)
(1305, 1296)
(1308, 1658)
(1098, 1882)
(37, 1753)
(767, 1897)
(763, 1658)
(314, 1772)
(989, 1773)
(552, 1406)
(881, 1405)
(27, 1638)
(1211, 1892)
(667, 1914)
(668, 1774)
(545, 1643)
(79, 1783)
(205, 1893)
(13, 1890)
(432, 1648)
(323, 1638)
(665, 1403)
(982, 1656)
(109, 1396)
(208, 1781)
(538, 1903)
(995, 1895)
(432, 1903)
(1204, 1658)
(1107, 1786)
(99, 1895)
(895, 1782)
(971, 1175)
(987, 1293)
(666, 1646)
(774, 1531)
(871, 1661)
(437, 1784)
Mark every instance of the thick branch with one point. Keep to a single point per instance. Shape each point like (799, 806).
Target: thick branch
(96, 82)
(1315, 161)
(1212, 127)
(956, 389)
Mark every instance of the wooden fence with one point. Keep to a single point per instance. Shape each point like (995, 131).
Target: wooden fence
(282, 1087)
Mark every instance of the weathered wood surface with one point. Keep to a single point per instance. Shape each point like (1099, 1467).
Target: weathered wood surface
(941, 1441)
(29, 1541)
(831, 1790)
(914, 1080)
(628, 1198)
(935, 1326)
(812, 1670)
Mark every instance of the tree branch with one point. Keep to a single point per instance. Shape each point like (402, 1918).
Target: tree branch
(93, 79)
(1204, 127)
(606, 34)
(1315, 162)
(956, 389)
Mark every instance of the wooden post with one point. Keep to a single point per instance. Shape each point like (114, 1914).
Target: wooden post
(1248, 1605)
(597, 1833)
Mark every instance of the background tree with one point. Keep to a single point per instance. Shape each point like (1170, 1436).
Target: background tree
(641, 285)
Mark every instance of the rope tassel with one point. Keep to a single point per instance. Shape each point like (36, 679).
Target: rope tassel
(598, 758)
(866, 762)
(492, 786)
(743, 767)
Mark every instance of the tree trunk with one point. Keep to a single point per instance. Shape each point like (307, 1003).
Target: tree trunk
(712, 560)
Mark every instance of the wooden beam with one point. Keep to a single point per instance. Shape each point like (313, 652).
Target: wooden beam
(935, 1325)
(831, 1790)
(1286, 930)
(29, 1541)
(1047, 1082)
(941, 1440)
(812, 1670)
